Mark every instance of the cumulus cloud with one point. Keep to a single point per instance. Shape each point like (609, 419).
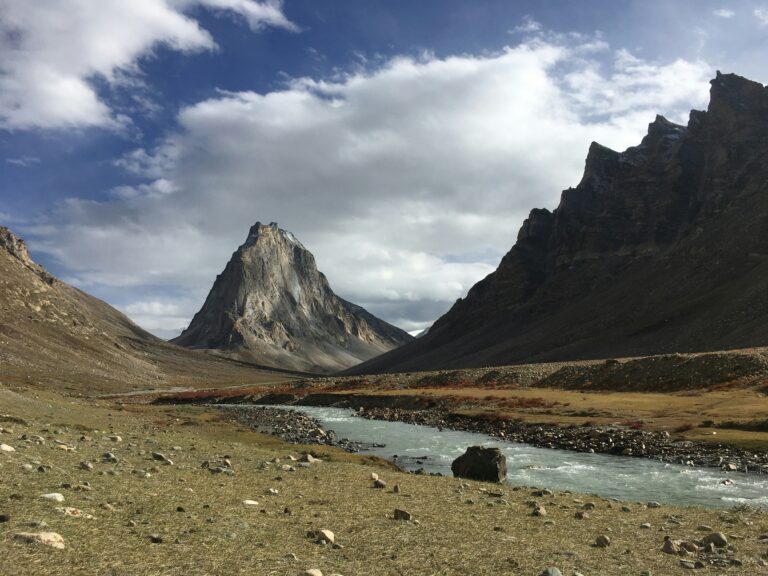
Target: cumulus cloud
(408, 182)
(51, 50)
(762, 16)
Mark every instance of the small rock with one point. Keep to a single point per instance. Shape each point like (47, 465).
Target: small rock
(403, 515)
(115, 438)
(74, 512)
(581, 515)
(155, 538)
(250, 503)
(51, 539)
(551, 572)
(5, 518)
(7, 448)
(379, 483)
(55, 496)
(160, 457)
(602, 541)
(325, 536)
(653, 504)
(645, 525)
(312, 572)
(273, 492)
(374, 476)
(86, 466)
(670, 547)
(718, 539)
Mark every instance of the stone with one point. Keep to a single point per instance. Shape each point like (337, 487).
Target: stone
(581, 515)
(155, 538)
(602, 541)
(55, 496)
(7, 448)
(479, 463)
(379, 483)
(115, 438)
(86, 466)
(718, 539)
(309, 459)
(551, 572)
(250, 503)
(326, 536)
(109, 458)
(52, 539)
(160, 457)
(74, 513)
(670, 546)
(402, 515)
(312, 572)
(653, 504)
(645, 525)
(5, 518)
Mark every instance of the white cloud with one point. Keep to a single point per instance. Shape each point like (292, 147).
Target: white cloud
(762, 16)
(23, 161)
(724, 13)
(407, 182)
(529, 25)
(51, 50)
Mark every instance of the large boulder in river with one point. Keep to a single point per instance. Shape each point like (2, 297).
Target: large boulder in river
(479, 463)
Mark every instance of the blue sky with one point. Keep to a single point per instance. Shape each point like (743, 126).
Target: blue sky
(403, 142)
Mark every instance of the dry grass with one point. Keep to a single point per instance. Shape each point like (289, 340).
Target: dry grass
(217, 534)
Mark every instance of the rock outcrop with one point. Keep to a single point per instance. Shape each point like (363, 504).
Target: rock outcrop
(660, 248)
(271, 305)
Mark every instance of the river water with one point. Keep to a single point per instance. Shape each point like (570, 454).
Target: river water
(631, 479)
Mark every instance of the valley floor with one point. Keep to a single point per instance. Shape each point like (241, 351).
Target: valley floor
(189, 517)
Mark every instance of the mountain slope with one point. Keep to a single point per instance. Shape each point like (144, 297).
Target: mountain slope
(273, 306)
(661, 248)
(52, 334)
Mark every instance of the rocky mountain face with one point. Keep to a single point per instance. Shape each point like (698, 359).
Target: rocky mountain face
(273, 306)
(660, 248)
(52, 334)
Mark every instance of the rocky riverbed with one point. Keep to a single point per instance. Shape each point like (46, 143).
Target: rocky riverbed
(292, 426)
(296, 427)
(616, 440)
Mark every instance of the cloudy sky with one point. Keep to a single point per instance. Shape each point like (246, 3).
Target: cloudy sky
(402, 141)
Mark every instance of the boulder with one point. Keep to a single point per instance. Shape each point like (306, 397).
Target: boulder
(479, 463)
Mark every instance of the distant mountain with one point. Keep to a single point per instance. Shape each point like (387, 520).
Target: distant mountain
(273, 306)
(52, 334)
(660, 248)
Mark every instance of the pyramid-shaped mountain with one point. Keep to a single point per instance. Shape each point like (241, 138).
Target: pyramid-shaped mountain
(272, 305)
(660, 248)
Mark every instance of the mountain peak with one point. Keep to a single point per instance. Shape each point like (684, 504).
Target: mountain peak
(272, 305)
(272, 230)
(660, 248)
